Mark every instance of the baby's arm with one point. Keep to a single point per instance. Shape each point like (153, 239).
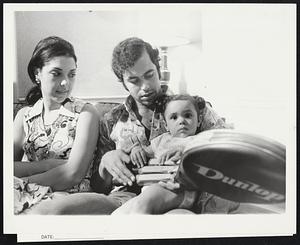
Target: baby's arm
(174, 154)
(139, 155)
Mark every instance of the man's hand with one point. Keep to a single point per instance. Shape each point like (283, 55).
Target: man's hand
(138, 156)
(114, 163)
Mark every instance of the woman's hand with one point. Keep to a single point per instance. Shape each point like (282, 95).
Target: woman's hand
(138, 156)
(113, 162)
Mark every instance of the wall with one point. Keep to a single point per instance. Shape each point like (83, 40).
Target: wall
(245, 65)
(93, 34)
(241, 57)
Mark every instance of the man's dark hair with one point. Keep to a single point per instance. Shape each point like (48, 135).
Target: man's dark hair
(127, 52)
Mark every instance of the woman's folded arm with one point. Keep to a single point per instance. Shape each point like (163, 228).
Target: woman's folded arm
(67, 175)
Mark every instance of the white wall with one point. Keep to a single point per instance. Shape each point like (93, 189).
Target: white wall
(245, 65)
(242, 58)
(93, 34)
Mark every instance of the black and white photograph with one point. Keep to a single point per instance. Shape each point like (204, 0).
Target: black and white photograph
(143, 121)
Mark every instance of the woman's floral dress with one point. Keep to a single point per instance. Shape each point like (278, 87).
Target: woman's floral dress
(42, 142)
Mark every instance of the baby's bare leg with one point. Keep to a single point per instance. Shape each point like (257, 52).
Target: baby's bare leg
(153, 200)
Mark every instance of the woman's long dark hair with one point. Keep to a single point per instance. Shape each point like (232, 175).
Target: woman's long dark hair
(44, 51)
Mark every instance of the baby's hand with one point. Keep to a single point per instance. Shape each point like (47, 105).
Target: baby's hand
(172, 155)
(138, 156)
(170, 185)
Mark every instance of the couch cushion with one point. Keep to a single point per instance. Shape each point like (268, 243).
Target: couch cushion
(104, 107)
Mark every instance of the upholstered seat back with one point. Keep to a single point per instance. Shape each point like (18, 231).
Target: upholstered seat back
(104, 107)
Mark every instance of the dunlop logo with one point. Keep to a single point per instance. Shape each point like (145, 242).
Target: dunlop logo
(249, 186)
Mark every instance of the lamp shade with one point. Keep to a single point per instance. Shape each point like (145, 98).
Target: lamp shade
(166, 40)
(168, 26)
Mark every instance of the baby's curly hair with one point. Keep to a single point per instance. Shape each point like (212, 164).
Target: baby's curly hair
(198, 102)
(127, 52)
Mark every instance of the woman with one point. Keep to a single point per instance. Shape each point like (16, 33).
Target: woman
(56, 134)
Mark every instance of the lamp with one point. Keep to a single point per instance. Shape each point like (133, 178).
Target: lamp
(164, 43)
(167, 26)
(165, 73)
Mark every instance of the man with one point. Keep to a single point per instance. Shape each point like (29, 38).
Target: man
(139, 120)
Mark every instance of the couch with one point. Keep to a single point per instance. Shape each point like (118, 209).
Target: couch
(103, 107)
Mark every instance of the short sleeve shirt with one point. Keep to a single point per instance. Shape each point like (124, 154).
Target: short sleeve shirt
(122, 129)
(125, 129)
(166, 141)
(53, 141)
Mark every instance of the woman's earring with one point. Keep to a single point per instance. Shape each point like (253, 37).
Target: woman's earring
(37, 80)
